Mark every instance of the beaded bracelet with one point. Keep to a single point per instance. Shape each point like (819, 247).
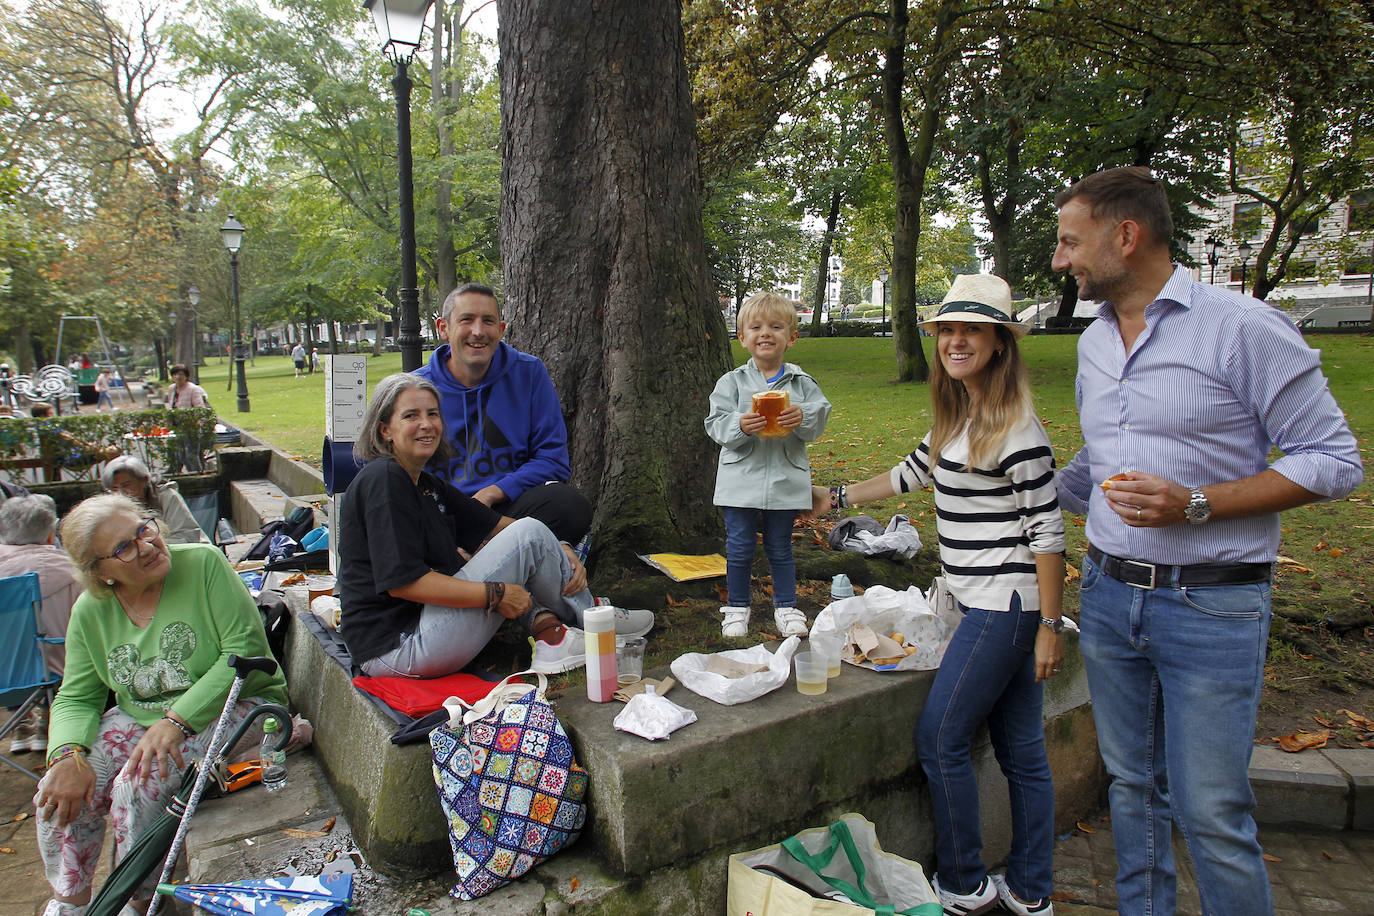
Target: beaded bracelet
(185, 729)
(838, 500)
(61, 753)
(496, 593)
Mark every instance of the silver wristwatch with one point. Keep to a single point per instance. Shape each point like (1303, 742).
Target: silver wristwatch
(1199, 509)
(1054, 624)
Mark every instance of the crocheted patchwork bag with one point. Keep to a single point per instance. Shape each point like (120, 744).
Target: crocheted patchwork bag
(510, 788)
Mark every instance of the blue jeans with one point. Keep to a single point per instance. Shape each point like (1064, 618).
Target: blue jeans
(741, 534)
(1175, 675)
(445, 639)
(988, 675)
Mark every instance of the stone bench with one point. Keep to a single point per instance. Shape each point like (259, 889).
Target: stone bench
(740, 777)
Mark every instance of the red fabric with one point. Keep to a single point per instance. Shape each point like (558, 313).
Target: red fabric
(418, 697)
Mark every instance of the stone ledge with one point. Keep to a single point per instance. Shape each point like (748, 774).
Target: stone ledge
(1298, 789)
(741, 777)
(253, 503)
(1357, 765)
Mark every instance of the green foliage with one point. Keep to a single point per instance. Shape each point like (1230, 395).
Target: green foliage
(78, 441)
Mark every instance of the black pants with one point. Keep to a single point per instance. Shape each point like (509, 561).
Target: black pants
(558, 505)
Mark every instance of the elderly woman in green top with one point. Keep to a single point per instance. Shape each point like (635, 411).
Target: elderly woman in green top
(155, 625)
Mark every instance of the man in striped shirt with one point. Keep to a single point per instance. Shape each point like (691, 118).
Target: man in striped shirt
(1183, 389)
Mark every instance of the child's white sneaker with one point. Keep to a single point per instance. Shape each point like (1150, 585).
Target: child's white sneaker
(734, 621)
(1014, 904)
(790, 621)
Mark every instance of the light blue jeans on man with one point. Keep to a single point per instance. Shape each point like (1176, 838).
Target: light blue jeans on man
(1175, 675)
(445, 639)
(988, 675)
(741, 538)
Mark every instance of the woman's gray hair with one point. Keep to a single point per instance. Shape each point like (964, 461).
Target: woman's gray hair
(27, 519)
(129, 464)
(382, 405)
(80, 525)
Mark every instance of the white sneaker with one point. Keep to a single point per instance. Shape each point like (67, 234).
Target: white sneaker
(629, 621)
(982, 900)
(57, 908)
(1014, 904)
(734, 621)
(565, 655)
(22, 738)
(790, 621)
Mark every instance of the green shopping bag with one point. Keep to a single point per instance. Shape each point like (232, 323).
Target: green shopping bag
(805, 875)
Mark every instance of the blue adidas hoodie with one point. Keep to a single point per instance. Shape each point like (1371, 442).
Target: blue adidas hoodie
(508, 430)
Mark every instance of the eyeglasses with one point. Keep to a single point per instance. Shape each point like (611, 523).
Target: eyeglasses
(127, 551)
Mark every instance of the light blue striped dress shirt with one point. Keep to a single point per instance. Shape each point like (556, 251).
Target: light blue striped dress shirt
(1214, 382)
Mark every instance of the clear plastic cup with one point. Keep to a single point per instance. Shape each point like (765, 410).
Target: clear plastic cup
(830, 648)
(811, 672)
(629, 658)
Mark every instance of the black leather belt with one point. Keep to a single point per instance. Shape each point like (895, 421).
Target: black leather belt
(1156, 575)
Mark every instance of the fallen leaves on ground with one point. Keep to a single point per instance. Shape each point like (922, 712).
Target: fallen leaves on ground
(21, 816)
(310, 834)
(7, 850)
(1274, 859)
(1301, 741)
(1084, 827)
(673, 602)
(1071, 572)
(574, 884)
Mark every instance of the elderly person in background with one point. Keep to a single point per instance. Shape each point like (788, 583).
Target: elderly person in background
(27, 526)
(130, 476)
(155, 625)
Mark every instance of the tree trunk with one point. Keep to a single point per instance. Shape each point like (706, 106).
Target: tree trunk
(604, 259)
(832, 219)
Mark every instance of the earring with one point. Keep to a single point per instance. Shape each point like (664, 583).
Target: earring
(109, 582)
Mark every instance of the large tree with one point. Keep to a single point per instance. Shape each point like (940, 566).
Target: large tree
(605, 266)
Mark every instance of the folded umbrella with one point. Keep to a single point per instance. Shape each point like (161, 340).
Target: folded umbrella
(325, 895)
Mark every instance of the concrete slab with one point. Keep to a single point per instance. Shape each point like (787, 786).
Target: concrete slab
(253, 502)
(1303, 788)
(1357, 765)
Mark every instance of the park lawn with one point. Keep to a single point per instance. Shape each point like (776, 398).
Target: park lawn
(1321, 656)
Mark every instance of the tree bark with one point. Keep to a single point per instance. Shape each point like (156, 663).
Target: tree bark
(832, 219)
(604, 260)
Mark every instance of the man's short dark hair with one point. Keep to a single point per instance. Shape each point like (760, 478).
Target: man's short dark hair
(1128, 192)
(480, 289)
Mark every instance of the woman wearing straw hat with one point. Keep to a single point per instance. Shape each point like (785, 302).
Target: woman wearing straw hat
(1001, 546)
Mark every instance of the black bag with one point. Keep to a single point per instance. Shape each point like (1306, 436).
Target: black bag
(297, 525)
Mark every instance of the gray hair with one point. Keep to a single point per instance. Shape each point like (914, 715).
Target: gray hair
(382, 405)
(477, 289)
(27, 519)
(80, 525)
(129, 464)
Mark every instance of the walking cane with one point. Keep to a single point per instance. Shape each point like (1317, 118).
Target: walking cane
(242, 668)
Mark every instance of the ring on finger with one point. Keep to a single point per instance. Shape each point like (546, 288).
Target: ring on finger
(1137, 515)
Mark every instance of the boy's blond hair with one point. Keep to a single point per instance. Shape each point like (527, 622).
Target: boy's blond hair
(767, 305)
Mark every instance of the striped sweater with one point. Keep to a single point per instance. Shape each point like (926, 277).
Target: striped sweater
(991, 522)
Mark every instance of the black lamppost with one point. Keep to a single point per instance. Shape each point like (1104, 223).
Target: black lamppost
(232, 235)
(400, 24)
(193, 297)
(882, 278)
(1244, 251)
(1213, 256)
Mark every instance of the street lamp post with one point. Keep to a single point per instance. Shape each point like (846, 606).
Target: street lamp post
(232, 235)
(400, 24)
(193, 296)
(1213, 256)
(1244, 251)
(882, 278)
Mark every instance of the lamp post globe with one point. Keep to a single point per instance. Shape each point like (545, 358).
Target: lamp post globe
(231, 233)
(400, 25)
(1244, 250)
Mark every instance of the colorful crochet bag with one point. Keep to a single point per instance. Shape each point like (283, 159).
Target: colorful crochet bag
(511, 791)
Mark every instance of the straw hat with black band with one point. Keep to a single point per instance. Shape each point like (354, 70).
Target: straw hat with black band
(977, 299)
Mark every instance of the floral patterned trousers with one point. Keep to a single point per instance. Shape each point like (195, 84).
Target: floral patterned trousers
(70, 853)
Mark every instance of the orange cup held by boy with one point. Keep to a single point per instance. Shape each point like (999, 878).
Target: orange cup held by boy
(769, 404)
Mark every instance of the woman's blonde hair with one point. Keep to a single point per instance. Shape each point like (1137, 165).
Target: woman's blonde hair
(1005, 404)
(80, 525)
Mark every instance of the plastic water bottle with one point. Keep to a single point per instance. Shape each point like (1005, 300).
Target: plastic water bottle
(273, 760)
(840, 587)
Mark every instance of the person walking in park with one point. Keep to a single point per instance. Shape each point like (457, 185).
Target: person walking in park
(502, 419)
(1183, 391)
(1001, 547)
(102, 390)
(314, 360)
(763, 478)
(298, 358)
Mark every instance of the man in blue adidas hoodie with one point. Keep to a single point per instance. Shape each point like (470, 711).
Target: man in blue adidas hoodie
(502, 416)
